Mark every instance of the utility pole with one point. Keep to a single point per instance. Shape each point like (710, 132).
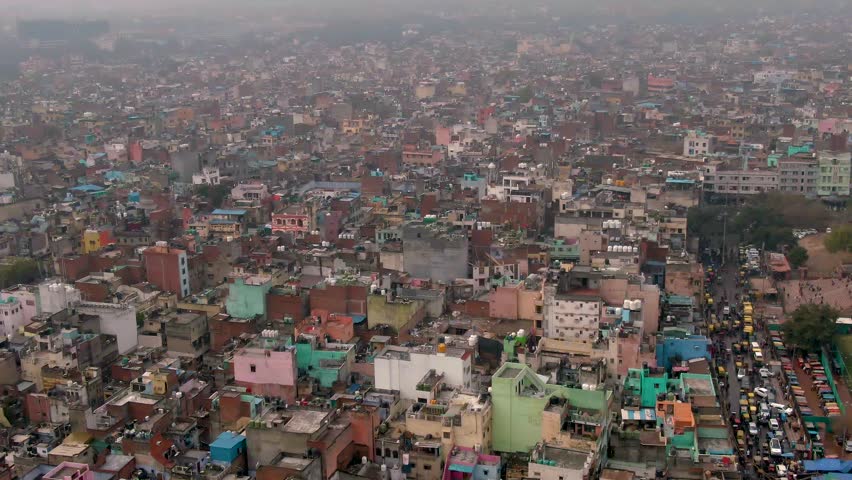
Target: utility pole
(724, 237)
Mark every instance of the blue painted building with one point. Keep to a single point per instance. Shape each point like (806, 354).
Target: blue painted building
(227, 447)
(673, 349)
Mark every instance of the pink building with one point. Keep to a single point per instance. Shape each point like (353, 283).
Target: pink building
(267, 367)
(520, 301)
(70, 471)
(466, 463)
(293, 219)
(615, 290)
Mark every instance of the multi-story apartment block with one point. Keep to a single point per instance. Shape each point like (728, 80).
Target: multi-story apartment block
(798, 175)
(834, 172)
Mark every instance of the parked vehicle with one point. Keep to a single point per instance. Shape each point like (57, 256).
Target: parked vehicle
(752, 429)
(775, 447)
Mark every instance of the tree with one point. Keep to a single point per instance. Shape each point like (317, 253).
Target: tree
(214, 194)
(19, 270)
(797, 256)
(525, 94)
(811, 327)
(839, 240)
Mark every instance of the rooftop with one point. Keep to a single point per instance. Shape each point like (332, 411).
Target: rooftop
(568, 459)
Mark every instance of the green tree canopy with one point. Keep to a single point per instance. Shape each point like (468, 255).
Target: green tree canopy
(525, 94)
(839, 240)
(19, 270)
(811, 327)
(797, 256)
(214, 194)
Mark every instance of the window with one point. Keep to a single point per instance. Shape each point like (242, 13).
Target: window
(378, 451)
(253, 368)
(395, 454)
(429, 467)
(447, 435)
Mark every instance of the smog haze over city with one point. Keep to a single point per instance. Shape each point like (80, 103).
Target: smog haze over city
(425, 240)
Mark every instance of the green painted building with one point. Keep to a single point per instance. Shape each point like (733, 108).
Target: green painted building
(834, 174)
(327, 364)
(522, 401)
(562, 251)
(646, 388)
(247, 296)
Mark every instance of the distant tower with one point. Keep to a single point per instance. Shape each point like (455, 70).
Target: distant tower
(492, 173)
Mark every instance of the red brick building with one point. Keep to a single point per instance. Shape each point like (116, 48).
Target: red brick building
(167, 268)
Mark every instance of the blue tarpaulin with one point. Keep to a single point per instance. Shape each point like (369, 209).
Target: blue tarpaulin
(828, 465)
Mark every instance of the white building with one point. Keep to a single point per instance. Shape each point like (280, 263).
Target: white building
(207, 176)
(53, 296)
(697, 143)
(403, 369)
(12, 315)
(114, 319)
(572, 318)
(254, 191)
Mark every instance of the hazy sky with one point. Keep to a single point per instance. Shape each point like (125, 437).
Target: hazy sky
(337, 8)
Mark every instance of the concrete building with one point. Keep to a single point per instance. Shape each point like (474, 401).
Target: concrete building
(327, 363)
(247, 295)
(739, 182)
(473, 464)
(697, 144)
(395, 312)
(834, 174)
(555, 463)
(418, 372)
(12, 315)
(294, 219)
(187, 334)
(522, 300)
(435, 251)
(464, 421)
(166, 267)
(798, 175)
(114, 319)
(254, 192)
(528, 411)
(207, 176)
(573, 318)
(268, 367)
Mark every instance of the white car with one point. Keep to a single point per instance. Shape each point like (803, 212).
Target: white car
(781, 470)
(765, 372)
(782, 408)
(761, 392)
(774, 425)
(741, 374)
(752, 428)
(775, 447)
